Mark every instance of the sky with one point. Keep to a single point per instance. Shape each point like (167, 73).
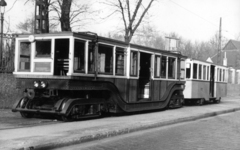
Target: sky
(195, 20)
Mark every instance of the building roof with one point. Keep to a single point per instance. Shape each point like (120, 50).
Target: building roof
(232, 45)
(232, 49)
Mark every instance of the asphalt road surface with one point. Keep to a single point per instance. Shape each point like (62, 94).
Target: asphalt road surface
(215, 133)
(10, 120)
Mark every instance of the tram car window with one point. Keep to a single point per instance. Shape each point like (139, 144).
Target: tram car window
(164, 67)
(120, 62)
(25, 56)
(195, 70)
(157, 66)
(188, 70)
(207, 72)
(79, 56)
(171, 67)
(182, 71)
(134, 63)
(43, 48)
(200, 72)
(105, 59)
(91, 47)
(204, 72)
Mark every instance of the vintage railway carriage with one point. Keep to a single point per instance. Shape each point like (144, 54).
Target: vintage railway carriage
(77, 75)
(204, 81)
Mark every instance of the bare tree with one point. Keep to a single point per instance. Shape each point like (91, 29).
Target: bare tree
(147, 35)
(67, 13)
(132, 14)
(26, 26)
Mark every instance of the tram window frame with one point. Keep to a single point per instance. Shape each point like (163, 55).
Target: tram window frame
(105, 66)
(164, 67)
(134, 65)
(120, 61)
(204, 72)
(157, 66)
(217, 74)
(171, 68)
(195, 70)
(25, 64)
(200, 72)
(79, 56)
(43, 46)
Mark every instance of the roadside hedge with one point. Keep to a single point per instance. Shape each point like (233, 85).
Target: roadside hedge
(8, 91)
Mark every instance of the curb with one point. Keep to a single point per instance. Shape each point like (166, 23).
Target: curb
(112, 133)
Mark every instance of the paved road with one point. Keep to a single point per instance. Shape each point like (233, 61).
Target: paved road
(219, 132)
(10, 120)
(53, 135)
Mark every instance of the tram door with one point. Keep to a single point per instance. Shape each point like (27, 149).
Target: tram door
(212, 75)
(144, 76)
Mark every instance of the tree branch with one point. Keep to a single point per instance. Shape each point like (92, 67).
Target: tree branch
(123, 16)
(143, 14)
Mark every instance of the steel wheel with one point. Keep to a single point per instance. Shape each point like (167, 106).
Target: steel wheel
(218, 100)
(171, 103)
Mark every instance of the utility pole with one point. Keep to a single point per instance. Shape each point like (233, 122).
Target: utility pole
(219, 43)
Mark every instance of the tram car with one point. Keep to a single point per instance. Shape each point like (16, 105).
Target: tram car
(80, 75)
(205, 81)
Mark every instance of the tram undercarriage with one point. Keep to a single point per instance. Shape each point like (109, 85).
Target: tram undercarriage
(73, 106)
(78, 104)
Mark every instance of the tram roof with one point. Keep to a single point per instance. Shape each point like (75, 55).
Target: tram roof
(92, 36)
(202, 61)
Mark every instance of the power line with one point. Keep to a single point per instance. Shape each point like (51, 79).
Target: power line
(199, 16)
(193, 13)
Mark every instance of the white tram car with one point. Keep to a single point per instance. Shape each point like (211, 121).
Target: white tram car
(205, 81)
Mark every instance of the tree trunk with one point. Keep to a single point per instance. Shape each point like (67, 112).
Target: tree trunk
(65, 16)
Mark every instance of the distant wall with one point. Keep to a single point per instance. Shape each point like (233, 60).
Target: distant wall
(233, 89)
(8, 91)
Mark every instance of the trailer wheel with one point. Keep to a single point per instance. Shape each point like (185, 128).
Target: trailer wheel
(201, 101)
(66, 118)
(217, 101)
(26, 114)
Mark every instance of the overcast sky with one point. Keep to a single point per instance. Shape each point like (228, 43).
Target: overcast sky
(191, 19)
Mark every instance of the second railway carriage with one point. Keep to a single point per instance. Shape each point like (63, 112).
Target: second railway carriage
(204, 81)
(77, 75)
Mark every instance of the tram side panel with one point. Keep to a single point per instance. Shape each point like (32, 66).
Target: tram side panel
(196, 90)
(221, 89)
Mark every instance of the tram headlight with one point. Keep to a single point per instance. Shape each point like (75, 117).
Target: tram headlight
(43, 84)
(36, 84)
